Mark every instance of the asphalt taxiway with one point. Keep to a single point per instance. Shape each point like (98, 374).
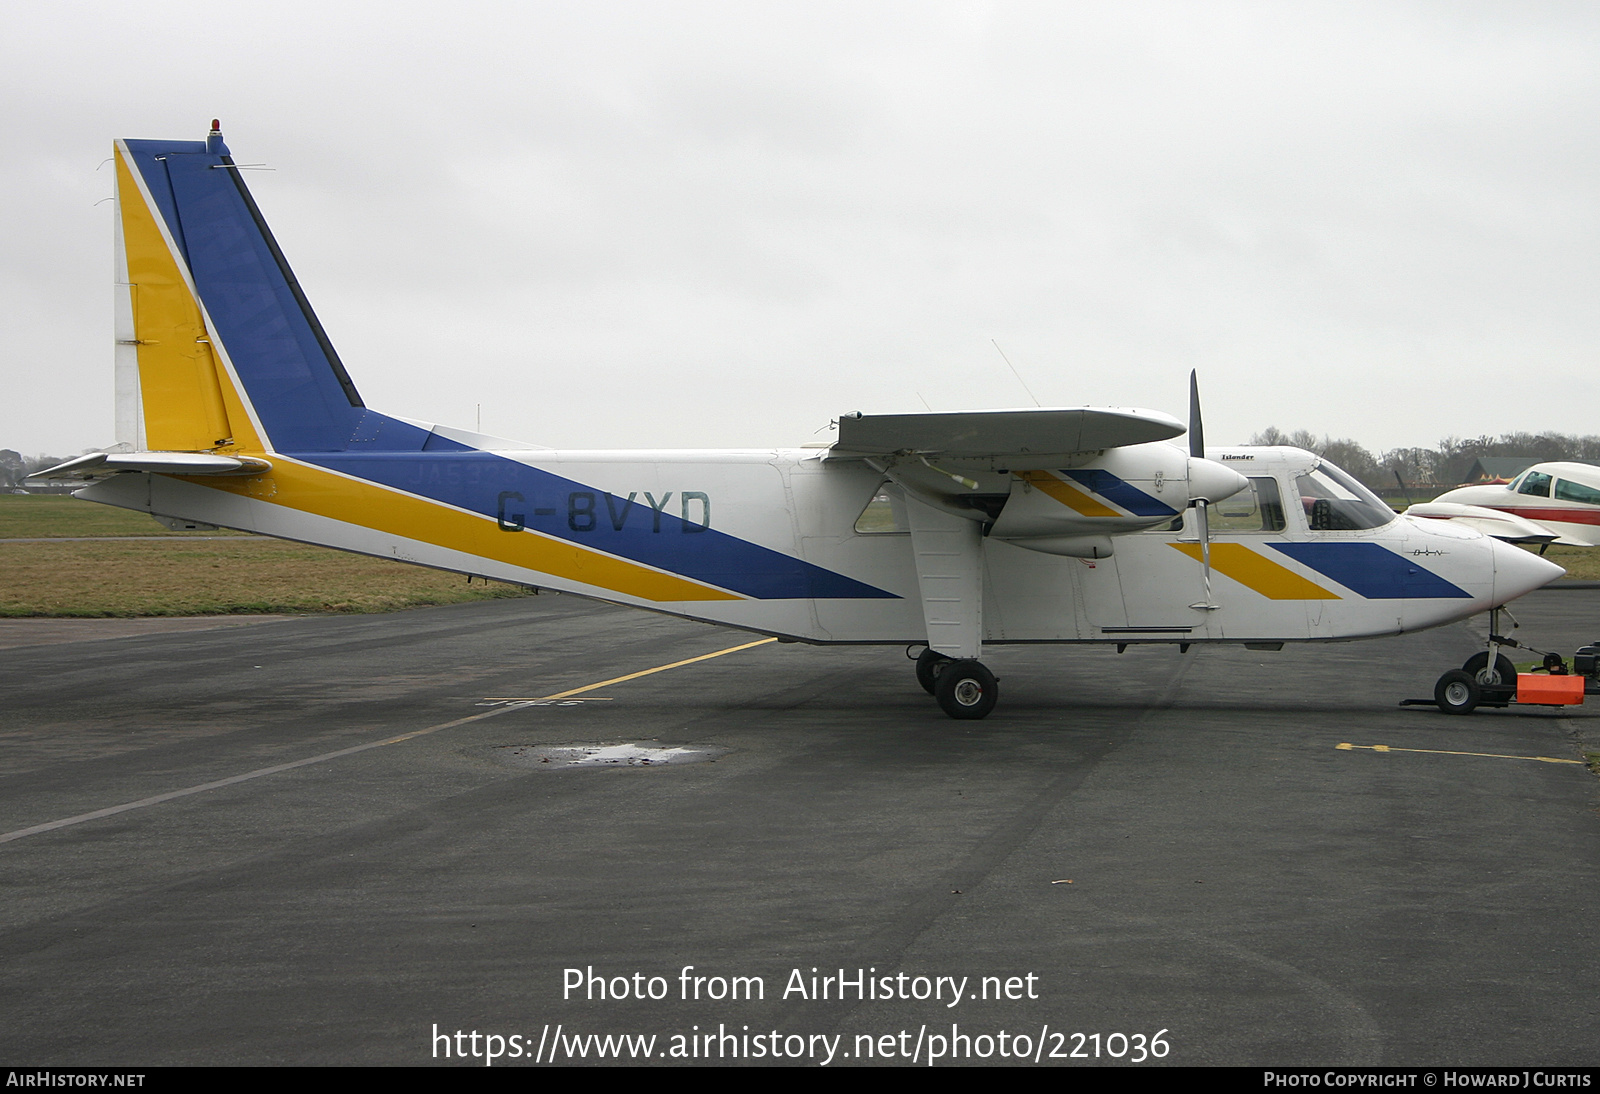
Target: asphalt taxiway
(329, 839)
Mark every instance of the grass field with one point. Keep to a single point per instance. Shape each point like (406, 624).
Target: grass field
(25, 516)
(107, 574)
(1581, 563)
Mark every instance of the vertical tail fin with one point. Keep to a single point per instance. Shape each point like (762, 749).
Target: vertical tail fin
(218, 348)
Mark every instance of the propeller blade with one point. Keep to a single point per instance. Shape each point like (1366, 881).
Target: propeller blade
(1197, 433)
(1197, 450)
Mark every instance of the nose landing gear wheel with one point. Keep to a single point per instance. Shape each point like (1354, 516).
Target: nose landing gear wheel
(965, 689)
(1457, 691)
(1478, 666)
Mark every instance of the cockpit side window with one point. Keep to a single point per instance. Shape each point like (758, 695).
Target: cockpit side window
(1535, 483)
(1567, 490)
(1256, 509)
(1334, 502)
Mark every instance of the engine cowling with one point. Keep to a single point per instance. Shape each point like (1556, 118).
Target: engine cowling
(1070, 511)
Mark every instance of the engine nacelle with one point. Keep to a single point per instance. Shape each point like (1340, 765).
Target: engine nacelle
(1123, 490)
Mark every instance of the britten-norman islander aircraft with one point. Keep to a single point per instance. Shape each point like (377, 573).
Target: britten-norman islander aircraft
(940, 531)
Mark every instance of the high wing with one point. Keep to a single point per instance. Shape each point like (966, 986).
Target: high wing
(1060, 481)
(1018, 440)
(1052, 472)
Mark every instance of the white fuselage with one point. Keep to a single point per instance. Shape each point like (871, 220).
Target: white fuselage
(1275, 575)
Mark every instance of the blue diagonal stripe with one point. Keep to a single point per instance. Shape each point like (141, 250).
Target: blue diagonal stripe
(1372, 571)
(1130, 497)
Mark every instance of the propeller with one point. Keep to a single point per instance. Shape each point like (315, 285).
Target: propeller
(1197, 433)
(1197, 451)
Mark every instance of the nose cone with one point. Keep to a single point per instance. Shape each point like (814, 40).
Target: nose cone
(1517, 571)
(1213, 481)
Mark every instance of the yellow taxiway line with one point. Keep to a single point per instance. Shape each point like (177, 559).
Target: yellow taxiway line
(636, 675)
(1444, 752)
(157, 799)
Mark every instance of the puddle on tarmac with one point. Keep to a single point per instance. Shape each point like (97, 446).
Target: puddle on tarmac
(558, 757)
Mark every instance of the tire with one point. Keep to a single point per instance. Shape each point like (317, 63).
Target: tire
(1505, 672)
(929, 666)
(965, 689)
(1457, 692)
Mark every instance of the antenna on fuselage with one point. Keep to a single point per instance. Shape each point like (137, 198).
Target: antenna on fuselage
(1015, 373)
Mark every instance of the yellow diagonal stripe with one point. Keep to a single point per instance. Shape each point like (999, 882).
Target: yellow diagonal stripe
(188, 400)
(1070, 496)
(313, 490)
(1251, 570)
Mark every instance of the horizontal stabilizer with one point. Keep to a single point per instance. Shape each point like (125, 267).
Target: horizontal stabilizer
(1020, 439)
(97, 465)
(1491, 522)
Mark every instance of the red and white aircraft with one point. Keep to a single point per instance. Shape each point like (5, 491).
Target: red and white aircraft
(1548, 503)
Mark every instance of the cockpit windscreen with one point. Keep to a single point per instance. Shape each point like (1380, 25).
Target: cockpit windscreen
(1335, 502)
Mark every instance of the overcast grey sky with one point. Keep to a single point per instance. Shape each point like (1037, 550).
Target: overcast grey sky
(722, 224)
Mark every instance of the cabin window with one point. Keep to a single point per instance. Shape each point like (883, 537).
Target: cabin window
(885, 514)
(1567, 490)
(1334, 502)
(1536, 483)
(1258, 508)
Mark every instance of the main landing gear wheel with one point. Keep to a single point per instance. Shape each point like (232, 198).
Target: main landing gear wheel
(965, 689)
(929, 665)
(1477, 667)
(1457, 691)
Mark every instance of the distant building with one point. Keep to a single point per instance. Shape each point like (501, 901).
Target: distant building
(1506, 468)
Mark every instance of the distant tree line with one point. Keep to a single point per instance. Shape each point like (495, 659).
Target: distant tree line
(1445, 465)
(14, 467)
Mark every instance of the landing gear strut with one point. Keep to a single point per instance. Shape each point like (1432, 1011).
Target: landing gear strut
(947, 546)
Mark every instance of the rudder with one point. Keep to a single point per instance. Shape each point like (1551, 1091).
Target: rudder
(229, 354)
